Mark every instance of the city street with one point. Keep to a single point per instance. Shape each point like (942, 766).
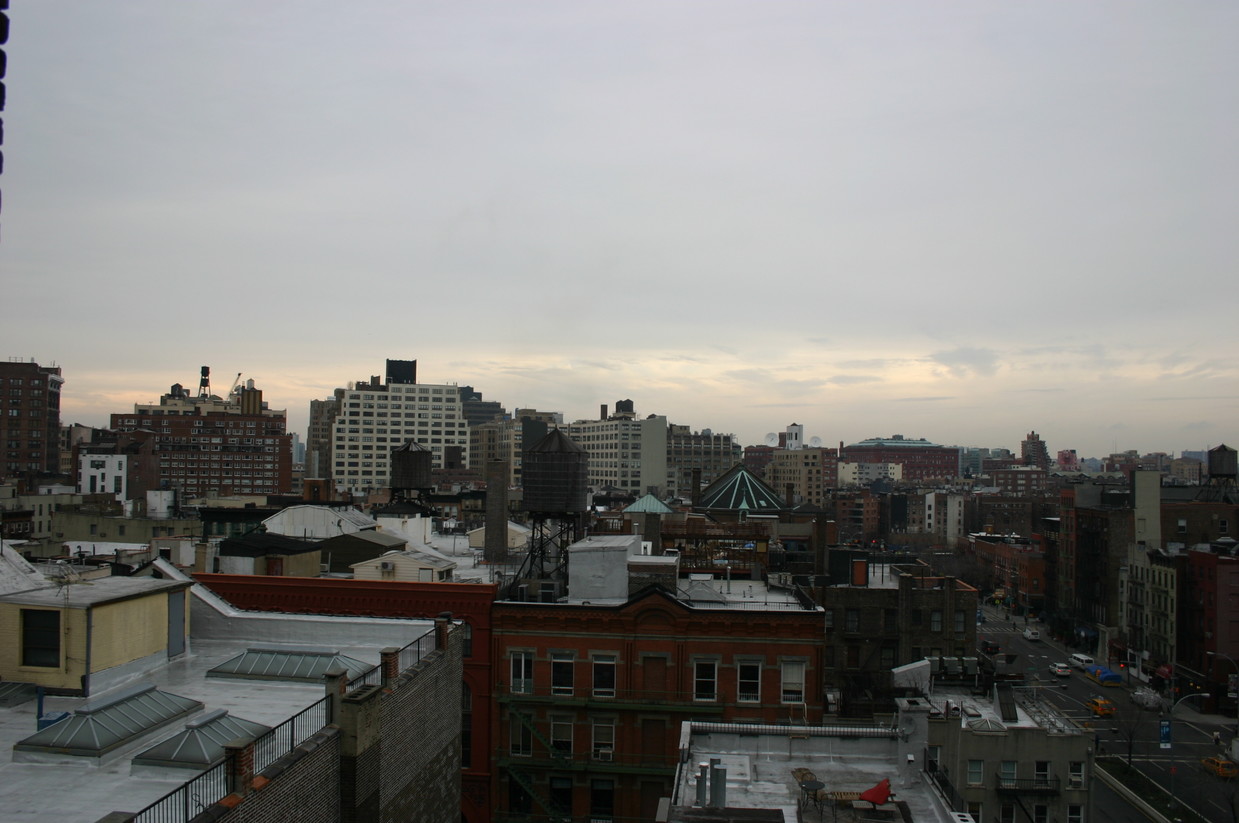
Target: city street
(1131, 729)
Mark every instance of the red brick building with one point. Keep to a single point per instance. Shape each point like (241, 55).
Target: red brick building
(30, 418)
(921, 460)
(470, 602)
(590, 698)
(213, 452)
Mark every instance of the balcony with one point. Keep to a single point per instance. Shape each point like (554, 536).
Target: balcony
(1027, 785)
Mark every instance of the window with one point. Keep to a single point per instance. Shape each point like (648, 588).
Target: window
(604, 676)
(562, 665)
(521, 744)
(604, 738)
(852, 620)
(1075, 772)
(40, 638)
(561, 792)
(959, 621)
(935, 620)
(1041, 813)
(1007, 773)
(793, 681)
(1006, 813)
(748, 679)
(1041, 771)
(601, 800)
(976, 772)
(522, 672)
(705, 679)
(1075, 813)
(561, 734)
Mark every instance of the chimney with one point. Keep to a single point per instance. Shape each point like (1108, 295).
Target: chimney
(696, 486)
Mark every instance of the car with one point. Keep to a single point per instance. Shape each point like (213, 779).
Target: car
(989, 647)
(1060, 670)
(1220, 767)
(1100, 706)
(1032, 634)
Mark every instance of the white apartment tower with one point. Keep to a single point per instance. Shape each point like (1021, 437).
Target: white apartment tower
(376, 417)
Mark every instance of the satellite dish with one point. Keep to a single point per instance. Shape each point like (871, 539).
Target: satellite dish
(815, 442)
(772, 439)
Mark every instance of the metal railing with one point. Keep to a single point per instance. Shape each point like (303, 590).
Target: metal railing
(290, 734)
(189, 800)
(185, 802)
(413, 653)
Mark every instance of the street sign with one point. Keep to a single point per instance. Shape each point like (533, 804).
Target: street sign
(1165, 733)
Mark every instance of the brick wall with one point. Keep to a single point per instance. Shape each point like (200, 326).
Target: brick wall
(303, 786)
(420, 759)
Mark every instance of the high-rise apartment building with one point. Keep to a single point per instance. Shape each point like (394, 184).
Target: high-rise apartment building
(203, 444)
(1034, 452)
(688, 451)
(810, 472)
(624, 452)
(30, 417)
(318, 439)
(504, 440)
(377, 416)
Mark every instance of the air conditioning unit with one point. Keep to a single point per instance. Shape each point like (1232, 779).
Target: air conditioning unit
(603, 755)
(387, 566)
(1076, 782)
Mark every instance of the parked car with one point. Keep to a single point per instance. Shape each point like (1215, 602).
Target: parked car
(1032, 634)
(989, 647)
(1060, 670)
(1100, 706)
(1220, 767)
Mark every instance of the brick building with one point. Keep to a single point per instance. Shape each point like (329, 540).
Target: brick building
(590, 697)
(921, 460)
(468, 602)
(888, 615)
(205, 444)
(30, 418)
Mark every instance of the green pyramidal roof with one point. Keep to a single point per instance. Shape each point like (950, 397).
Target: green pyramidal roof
(740, 490)
(100, 726)
(649, 504)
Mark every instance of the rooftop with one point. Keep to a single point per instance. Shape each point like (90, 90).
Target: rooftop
(765, 766)
(82, 789)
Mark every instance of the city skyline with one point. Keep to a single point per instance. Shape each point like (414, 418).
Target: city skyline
(961, 223)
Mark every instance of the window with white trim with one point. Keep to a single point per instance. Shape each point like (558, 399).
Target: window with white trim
(793, 681)
(748, 683)
(604, 675)
(705, 680)
(522, 672)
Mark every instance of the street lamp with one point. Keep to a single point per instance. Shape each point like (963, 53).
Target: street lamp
(1173, 799)
(1228, 691)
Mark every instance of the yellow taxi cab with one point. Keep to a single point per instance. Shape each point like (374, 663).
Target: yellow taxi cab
(1099, 706)
(1220, 767)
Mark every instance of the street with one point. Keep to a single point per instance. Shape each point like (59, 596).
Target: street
(1132, 731)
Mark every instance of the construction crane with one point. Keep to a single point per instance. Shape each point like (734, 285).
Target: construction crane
(235, 383)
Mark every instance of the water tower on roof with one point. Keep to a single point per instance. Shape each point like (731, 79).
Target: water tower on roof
(1223, 470)
(410, 471)
(555, 480)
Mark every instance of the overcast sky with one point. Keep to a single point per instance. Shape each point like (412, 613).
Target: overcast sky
(954, 220)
